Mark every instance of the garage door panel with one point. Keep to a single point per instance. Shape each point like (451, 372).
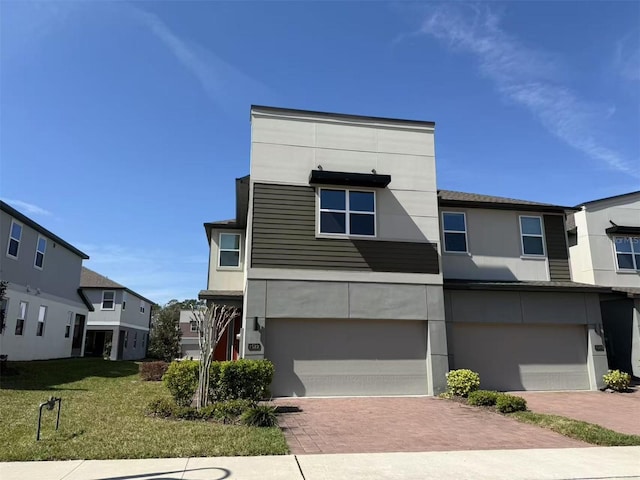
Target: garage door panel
(523, 357)
(347, 357)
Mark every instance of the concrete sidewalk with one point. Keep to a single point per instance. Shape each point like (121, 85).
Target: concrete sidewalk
(540, 464)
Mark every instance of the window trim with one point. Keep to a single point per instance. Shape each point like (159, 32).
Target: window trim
(142, 306)
(541, 236)
(466, 234)
(633, 254)
(113, 300)
(19, 240)
(347, 211)
(35, 258)
(67, 327)
(193, 326)
(42, 318)
(220, 250)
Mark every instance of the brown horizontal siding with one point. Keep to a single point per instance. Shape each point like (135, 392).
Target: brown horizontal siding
(557, 251)
(283, 236)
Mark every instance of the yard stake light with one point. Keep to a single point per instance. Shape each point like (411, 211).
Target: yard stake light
(49, 404)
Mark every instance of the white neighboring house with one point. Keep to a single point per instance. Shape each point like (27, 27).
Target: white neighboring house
(604, 244)
(43, 313)
(120, 320)
(189, 346)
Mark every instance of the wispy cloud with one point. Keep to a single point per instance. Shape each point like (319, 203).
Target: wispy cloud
(525, 76)
(627, 56)
(218, 78)
(157, 274)
(26, 207)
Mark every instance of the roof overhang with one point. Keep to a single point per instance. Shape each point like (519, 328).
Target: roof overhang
(531, 286)
(221, 295)
(371, 180)
(623, 230)
(506, 206)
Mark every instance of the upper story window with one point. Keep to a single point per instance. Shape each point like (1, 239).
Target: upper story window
(124, 300)
(347, 212)
(454, 226)
(108, 300)
(532, 237)
(627, 252)
(15, 235)
(41, 247)
(193, 326)
(229, 255)
(142, 306)
(22, 316)
(42, 315)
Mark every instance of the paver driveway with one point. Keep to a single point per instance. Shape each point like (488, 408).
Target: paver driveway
(404, 424)
(616, 411)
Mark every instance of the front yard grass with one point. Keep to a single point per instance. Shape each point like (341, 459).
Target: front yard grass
(587, 432)
(103, 417)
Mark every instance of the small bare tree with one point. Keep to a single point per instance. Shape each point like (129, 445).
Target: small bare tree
(212, 323)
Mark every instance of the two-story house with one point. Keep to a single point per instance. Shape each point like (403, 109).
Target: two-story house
(334, 255)
(43, 313)
(357, 277)
(604, 239)
(513, 313)
(227, 348)
(118, 326)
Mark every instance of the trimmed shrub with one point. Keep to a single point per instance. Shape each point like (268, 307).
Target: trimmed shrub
(482, 398)
(617, 380)
(260, 416)
(506, 403)
(241, 379)
(161, 407)
(462, 382)
(153, 371)
(181, 378)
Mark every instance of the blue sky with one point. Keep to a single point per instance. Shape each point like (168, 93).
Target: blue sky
(124, 124)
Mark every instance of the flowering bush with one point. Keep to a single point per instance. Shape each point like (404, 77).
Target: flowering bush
(617, 380)
(462, 382)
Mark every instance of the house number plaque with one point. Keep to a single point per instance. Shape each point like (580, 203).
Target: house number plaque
(599, 348)
(255, 347)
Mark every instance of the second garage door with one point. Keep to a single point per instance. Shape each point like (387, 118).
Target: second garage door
(523, 357)
(347, 357)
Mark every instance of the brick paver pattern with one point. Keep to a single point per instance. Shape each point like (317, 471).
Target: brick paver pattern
(404, 424)
(616, 411)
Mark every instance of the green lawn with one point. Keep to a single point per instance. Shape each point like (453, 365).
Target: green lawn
(103, 417)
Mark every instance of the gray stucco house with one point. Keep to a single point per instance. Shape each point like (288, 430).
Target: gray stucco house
(357, 277)
(43, 315)
(119, 321)
(604, 239)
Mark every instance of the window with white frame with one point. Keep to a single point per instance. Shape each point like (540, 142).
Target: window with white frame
(347, 212)
(41, 247)
(144, 340)
(142, 306)
(15, 236)
(454, 226)
(193, 326)
(229, 255)
(532, 236)
(627, 252)
(3, 314)
(67, 328)
(22, 317)
(108, 300)
(42, 315)
(124, 300)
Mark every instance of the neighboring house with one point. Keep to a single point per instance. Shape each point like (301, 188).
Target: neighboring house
(513, 314)
(351, 287)
(44, 313)
(118, 326)
(604, 238)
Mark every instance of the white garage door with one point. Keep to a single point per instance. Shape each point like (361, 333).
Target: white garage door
(347, 357)
(523, 357)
